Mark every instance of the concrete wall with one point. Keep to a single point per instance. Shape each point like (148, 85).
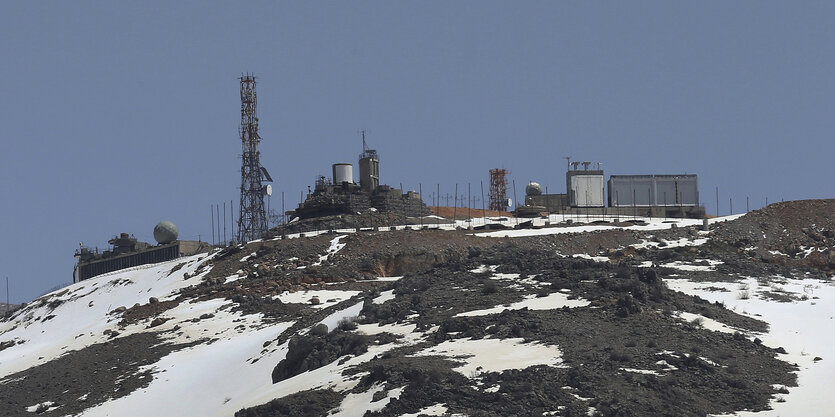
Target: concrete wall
(369, 174)
(553, 203)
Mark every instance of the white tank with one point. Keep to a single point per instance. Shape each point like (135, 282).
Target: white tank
(343, 173)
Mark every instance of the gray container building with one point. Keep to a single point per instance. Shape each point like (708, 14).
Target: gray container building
(653, 190)
(585, 186)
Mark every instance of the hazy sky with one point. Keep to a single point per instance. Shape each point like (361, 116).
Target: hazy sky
(116, 115)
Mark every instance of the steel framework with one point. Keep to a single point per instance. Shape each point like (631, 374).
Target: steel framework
(252, 223)
(498, 189)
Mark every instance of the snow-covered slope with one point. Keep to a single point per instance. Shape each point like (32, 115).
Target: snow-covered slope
(489, 330)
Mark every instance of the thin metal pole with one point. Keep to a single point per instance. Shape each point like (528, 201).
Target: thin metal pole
(7, 293)
(217, 208)
(634, 206)
(420, 190)
(732, 206)
(469, 205)
(547, 202)
(455, 210)
(213, 224)
(717, 201)
(747, 207)
(483, 212)
(232, 218)
(224, 223)
(438, 205)
(515, 200)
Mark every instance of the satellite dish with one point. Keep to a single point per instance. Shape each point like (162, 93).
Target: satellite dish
(268, 190)
(509, 202)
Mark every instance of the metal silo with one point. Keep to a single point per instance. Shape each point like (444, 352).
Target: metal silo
(343, 172)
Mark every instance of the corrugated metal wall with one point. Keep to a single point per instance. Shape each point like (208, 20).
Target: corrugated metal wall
(586, 189)
(154, 255)
(653, 190)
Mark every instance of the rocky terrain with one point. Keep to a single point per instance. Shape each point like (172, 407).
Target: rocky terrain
(552, 321)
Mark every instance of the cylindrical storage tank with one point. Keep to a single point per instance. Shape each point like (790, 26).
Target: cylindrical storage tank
(343, 173)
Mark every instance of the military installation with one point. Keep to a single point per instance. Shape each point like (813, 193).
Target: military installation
(651, 195)
(635, 195)
(126, 252)
(341, 195)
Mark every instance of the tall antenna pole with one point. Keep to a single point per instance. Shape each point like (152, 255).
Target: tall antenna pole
(364, 146)
(252, 220)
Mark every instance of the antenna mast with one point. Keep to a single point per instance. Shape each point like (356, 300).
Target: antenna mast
(252, 223)
(364, 146)
(498, 189)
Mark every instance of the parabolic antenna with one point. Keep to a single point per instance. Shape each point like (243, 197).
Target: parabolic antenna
(509, 202)
(268, 190)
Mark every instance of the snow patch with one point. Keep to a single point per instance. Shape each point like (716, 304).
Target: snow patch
(384, 296)
(334, 248)
(707, 323)
(327, 298)
(494, 355)
(356, 405)
(796, 326)
(332, 321)
(552, 301)
(433, 410)
(641, 371)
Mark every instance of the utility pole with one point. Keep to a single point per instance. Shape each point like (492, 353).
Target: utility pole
(420, 190)
(516, 201)
(455, 210)
(438, 209)
(483, 211)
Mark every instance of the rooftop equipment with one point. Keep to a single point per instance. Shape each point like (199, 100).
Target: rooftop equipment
(342, 173)
(369, 167)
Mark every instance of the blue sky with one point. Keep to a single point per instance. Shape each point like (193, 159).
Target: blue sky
(116, 115)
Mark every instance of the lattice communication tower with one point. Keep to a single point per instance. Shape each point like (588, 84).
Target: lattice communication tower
(252, 223)
(498, 189)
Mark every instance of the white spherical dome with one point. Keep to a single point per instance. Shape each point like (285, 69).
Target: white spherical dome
(533, 189)
(165, 232)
